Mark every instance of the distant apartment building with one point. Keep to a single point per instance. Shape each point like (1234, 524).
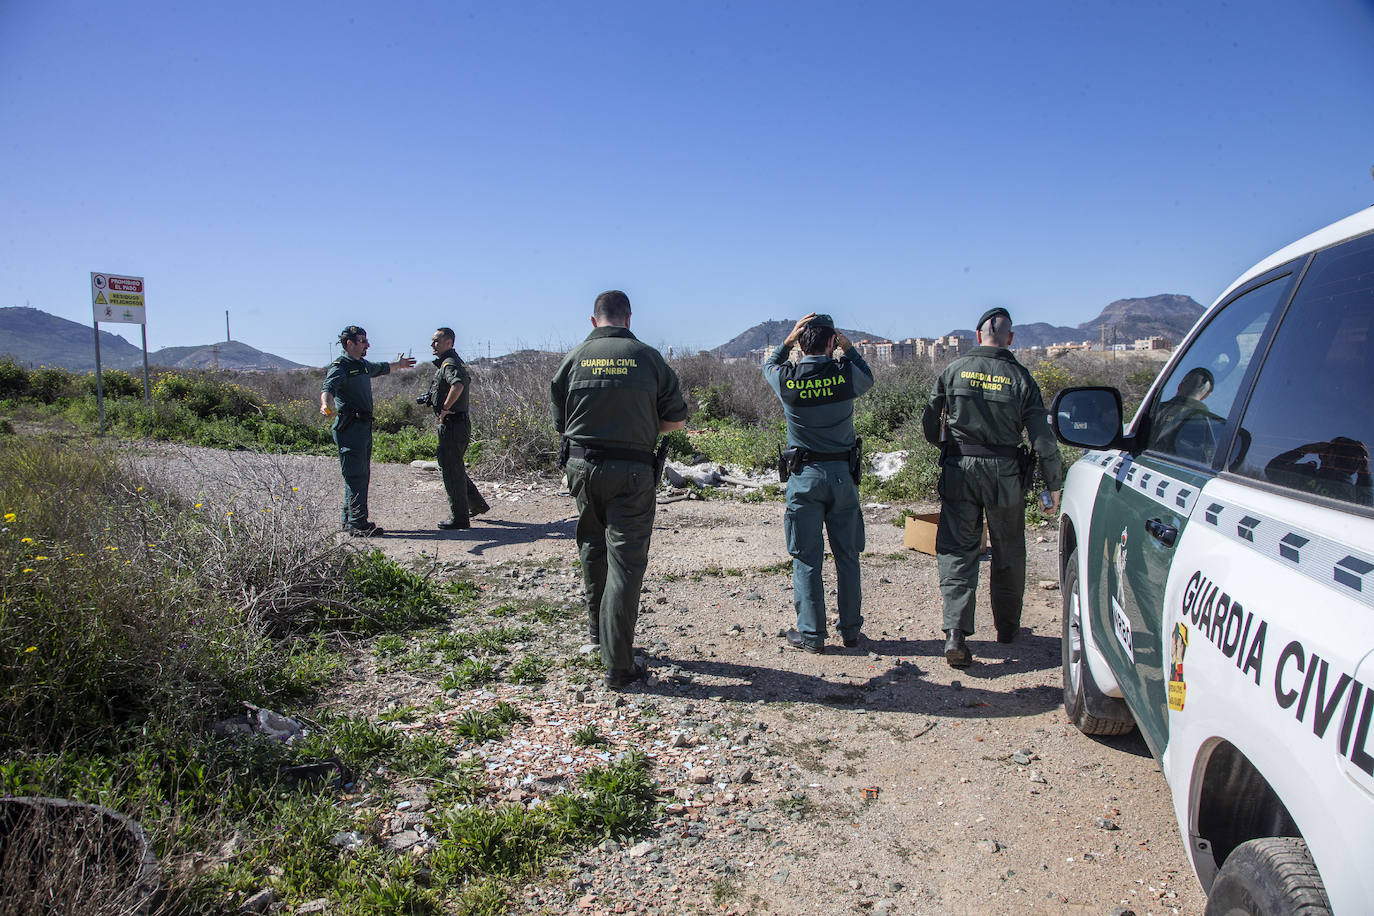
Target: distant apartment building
(1059, 349)
(1153, 343)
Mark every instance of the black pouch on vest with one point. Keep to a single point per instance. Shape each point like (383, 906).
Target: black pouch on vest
(856, 460)
(563, 445)
(1025, 463)
(660, 459)
(783, 471)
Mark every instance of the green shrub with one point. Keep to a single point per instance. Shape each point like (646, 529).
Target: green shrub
(115, 383)
(751, 447)
(893, 403)
(14, 379)
(390, 597)
(49, 385)
(207, 397)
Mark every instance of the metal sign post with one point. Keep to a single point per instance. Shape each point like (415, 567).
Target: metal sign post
(120, 300)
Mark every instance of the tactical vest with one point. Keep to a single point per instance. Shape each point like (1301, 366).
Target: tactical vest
(810, 384)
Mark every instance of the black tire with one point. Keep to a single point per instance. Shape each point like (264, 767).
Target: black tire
(1089, 708)
(1273, 876)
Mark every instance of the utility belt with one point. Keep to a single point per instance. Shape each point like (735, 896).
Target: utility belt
(348, 417)
(595, 453)
(1025, 458)
(793, 458)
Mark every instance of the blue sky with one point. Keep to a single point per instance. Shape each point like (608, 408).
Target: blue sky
(494, 166)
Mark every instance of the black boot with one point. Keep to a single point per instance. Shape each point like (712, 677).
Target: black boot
(956, 649)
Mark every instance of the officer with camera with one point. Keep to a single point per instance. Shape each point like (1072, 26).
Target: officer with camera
(347, 391)
(448, 396)
(977, 411)
(821, 465)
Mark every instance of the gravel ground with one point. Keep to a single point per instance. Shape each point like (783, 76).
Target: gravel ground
(873, 780)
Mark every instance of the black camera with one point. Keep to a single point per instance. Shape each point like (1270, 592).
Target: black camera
(426, 399)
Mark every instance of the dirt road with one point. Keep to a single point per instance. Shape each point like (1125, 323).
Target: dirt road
(982, 797)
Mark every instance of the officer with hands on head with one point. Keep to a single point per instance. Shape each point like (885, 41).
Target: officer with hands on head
(978, 409)
(347, 391)
(448, 396)
(823, 465)
(612, 396)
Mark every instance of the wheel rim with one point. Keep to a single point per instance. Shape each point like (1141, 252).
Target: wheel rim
(1075, 665)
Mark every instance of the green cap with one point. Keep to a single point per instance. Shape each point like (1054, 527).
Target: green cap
(821, 321)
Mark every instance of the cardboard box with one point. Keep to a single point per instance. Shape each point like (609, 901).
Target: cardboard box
(920, 533)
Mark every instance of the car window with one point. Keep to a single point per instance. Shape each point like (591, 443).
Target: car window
(1193, 404)
(1310, 422)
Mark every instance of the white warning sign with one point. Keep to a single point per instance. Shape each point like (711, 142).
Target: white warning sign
(118, 299)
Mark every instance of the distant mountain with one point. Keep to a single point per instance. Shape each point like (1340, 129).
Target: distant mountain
(232, 354)
(1168, 315)
(35, 338)
(1164, 315)
(772, 333)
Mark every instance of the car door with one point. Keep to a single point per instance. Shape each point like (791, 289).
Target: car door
(1146, 499)
(1271, 598)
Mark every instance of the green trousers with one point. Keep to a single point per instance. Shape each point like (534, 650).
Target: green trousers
(822, 499)
(355, 461)
(463, 498)
(615, 506)
(971, 488)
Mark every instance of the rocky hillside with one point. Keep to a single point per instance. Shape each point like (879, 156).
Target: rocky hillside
(1167, 315)
(35, 338)
(232, 354)
(771, 333)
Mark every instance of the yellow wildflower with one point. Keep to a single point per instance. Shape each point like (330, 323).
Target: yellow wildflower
(40, 558)
(28, 569)
(31, 649)
(10, 516)
(198, 505)
(26, 540)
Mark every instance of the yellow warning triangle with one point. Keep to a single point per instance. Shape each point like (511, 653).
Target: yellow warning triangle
(100, 298)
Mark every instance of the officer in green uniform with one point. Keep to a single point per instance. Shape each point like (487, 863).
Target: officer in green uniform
(347, 391)
(822, 455)
(612, 396)
(980, 405)
(448, 395)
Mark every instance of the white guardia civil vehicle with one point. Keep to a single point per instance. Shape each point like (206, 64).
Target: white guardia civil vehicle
(1217, 568)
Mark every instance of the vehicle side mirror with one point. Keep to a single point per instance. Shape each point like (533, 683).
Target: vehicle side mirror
(1088, 417)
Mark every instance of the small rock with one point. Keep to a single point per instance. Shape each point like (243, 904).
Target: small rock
(403, 840)
(680, 740)
(742, 775)
(1021, 758)
(259, 902)
(883, 907)
(311, 907)
(756, 824)
(699, 776)
(1037, 777)
(640, 850)
(351, 840)
(780, 876)
(1049, 585)
(1123, 911)
(989, 846)
(1106, 823)
(588, 648)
